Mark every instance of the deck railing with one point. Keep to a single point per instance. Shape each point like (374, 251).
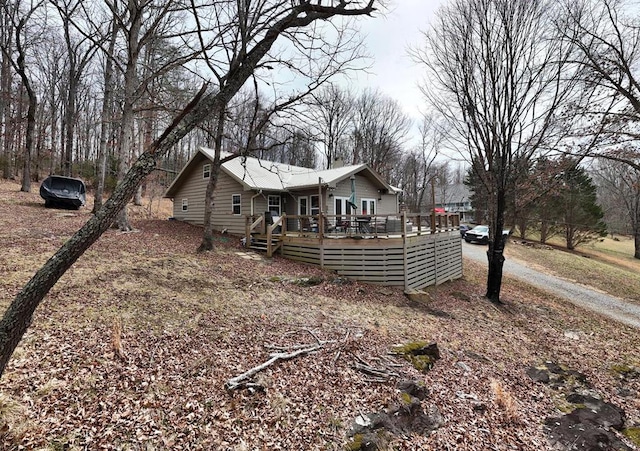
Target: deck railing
(347, 226)
(414, 250)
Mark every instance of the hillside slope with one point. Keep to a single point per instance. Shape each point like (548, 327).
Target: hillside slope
(132, 348)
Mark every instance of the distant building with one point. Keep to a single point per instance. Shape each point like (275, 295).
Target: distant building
(455, 199)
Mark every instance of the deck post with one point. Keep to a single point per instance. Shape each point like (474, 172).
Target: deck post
(435, 259)
(247, 230)
(269, 244)
(321, 222)
(404, 250)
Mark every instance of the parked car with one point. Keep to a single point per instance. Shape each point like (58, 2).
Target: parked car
(463, 229)
(480, 234)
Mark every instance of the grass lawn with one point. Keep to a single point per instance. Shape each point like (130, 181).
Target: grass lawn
(607, 265)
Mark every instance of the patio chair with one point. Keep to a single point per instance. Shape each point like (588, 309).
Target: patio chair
(305, 224)
(343, 225)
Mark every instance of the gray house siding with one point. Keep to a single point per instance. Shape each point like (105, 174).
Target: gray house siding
(193, 192)
(223, 216)
(194, 189)
(386, 204)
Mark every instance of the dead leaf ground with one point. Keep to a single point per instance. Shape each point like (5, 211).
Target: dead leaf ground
(188, 322)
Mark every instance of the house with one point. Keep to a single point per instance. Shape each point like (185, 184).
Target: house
(248, 186)
(359, 232)
(455, 199)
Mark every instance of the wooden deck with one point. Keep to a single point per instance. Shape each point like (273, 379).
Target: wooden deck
(417, 256)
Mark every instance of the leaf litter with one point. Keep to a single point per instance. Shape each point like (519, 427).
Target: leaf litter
(132, 348)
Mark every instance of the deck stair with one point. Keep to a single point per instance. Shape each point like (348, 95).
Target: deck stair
(261, 243)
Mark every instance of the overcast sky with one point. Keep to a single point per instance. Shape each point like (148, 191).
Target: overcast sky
(388, 39)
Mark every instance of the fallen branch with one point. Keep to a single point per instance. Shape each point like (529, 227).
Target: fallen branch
(241, 380)
(274, 347)
(344, 342)
(378, 374)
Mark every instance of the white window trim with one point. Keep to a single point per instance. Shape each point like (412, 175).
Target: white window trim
(206, 171)
(306, 198)
(311, 207)
(279, 202)
(369, 201)
(185, 204)
(345, 205)
(239, 204)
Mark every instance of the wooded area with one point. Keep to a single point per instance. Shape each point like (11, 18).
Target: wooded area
(85, 88)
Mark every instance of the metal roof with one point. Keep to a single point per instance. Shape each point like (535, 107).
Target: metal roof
(256, 174)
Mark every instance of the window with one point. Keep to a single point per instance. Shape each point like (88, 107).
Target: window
(342, 206)
(274, 205)
(185, 204)
(315, 205)
(206, 171)
(303, 206)
(368, 207)
(235, 204)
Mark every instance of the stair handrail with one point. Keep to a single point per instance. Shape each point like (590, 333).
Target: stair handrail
(270, 228)
(249, 228)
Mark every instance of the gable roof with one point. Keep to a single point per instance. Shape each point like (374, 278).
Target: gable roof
(457, 192)
(257, 174)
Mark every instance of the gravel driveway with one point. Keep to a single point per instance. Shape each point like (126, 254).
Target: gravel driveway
(581, 295)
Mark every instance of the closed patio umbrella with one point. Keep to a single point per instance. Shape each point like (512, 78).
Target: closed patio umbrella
(352, 198)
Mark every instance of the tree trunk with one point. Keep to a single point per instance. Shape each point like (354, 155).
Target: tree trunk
(5, 98)
(568, 234)
(105, 120)
(544, 229)
(31, 127)
(53, 123)
(137, 197)
(207, 236)
(127, 123)
(20, 67)
(522, 227)
(495, 253)
(636, 231)
(69, 122)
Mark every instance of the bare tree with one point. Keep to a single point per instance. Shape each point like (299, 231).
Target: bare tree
(619, 184)
(379, 131)
(607, 36)
(80, 51)
(144, 24)
(333, 114)
(496, 70)
(607, 40)
(306, 56)
(6, 79)
(418, 170)
(50, 78)
(20, 18)
(285, 18)
(106, 114)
